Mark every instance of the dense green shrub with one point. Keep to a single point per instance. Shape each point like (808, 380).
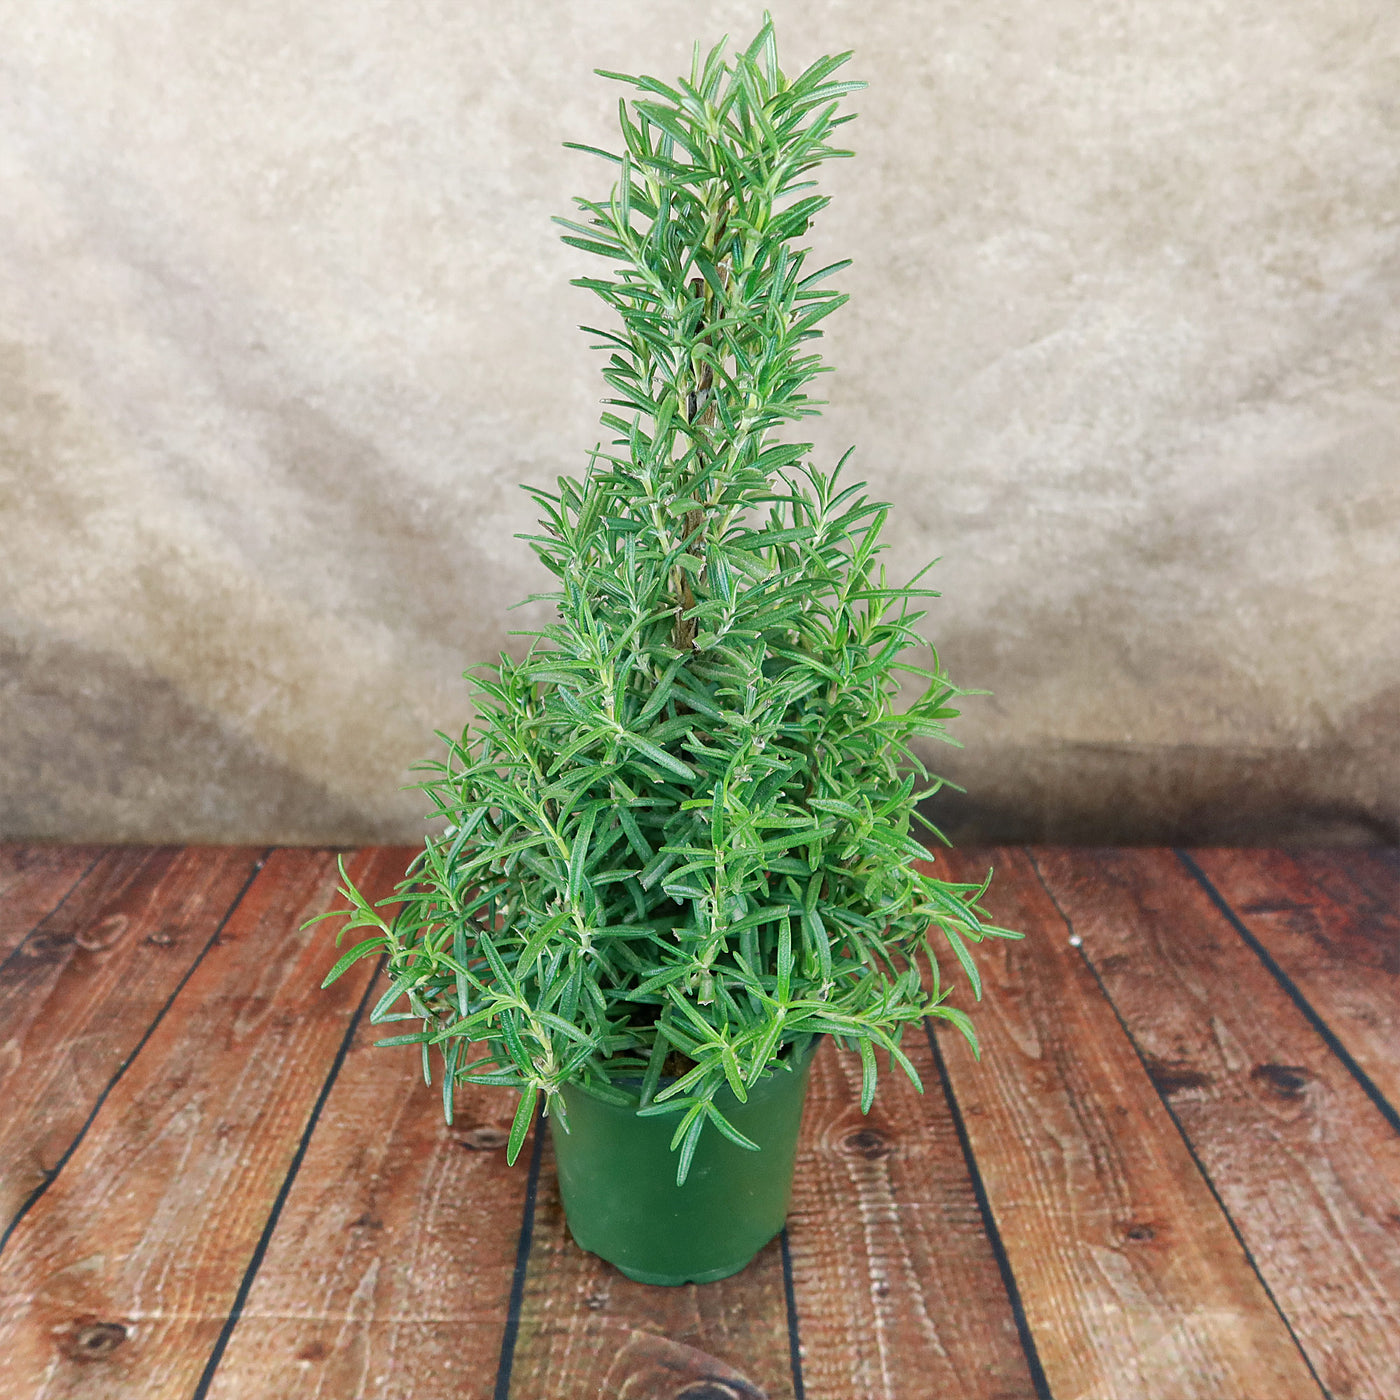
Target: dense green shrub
(678, 832)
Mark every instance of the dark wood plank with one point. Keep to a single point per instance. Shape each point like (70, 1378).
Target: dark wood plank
(389, 1273)
(1306, 1166)
(586, 1329)
(897, 1288)
(1133, 1283)
(82, 989)
(1331, 921)
(119, 1280)
(33, 880)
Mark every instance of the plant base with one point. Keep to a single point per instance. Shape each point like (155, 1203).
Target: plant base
(617, 1180)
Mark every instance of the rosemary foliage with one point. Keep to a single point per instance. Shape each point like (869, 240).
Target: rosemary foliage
(678, 831)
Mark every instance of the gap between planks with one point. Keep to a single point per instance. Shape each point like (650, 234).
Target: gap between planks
(389, 1273)
(34, 880)
(1327, 926)
(122, 1275)
(1133, 1284)
(83, 991)
(1295, 1149)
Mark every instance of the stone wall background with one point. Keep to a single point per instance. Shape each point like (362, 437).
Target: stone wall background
(283, 321)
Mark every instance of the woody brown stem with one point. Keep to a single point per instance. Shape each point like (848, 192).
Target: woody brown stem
(699, 411)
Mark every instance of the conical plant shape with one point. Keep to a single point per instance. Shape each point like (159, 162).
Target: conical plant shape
(678, 832)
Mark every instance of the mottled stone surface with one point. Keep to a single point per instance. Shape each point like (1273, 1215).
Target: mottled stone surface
(283, 321)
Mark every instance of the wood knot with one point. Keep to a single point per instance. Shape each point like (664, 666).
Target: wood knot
(87, 1339)
(1174, 1076)
(653, 1365)
(866, 1143)
(1141, 1234)
(103, 934)
(312, 1351)
(483, 1139)
(1284, 1081)
(367, 1222)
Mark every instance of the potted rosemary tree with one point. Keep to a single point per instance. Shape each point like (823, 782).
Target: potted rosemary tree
(678, 844)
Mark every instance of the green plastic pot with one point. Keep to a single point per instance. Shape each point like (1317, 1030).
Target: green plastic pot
(617, 1179)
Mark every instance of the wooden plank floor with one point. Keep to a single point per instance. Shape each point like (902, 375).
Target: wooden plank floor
(1175, 1172)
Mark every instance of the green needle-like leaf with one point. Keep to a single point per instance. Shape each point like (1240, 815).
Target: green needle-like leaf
(520, 1124)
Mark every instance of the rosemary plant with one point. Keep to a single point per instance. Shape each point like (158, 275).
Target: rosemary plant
(678, 832)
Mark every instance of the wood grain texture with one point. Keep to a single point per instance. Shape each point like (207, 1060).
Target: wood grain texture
(1133, 1283)
(1331, 921)
(586, 1329)
(389, 1273)
(33, 881)
(78, 994)
(897, 1287)
(118, 1281)
(1306, 1166)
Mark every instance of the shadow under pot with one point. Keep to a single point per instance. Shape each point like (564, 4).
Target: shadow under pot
(617, 1179)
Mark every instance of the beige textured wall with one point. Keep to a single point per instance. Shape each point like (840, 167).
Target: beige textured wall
(283, 320)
